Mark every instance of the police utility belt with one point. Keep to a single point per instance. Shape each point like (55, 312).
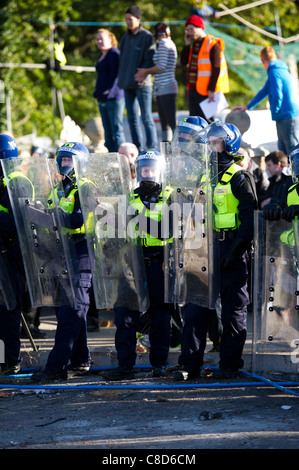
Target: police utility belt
(226, 234)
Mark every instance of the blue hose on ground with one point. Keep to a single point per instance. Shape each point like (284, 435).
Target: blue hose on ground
(262, 382)
(277, 385)
(133, 386)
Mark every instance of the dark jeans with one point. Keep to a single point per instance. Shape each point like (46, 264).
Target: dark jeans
(112, 113)
(193, 103)
(287, 134)
(143, 98)
(166, 106)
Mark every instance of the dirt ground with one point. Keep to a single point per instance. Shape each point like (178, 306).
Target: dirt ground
(145, 416)
(149, 414)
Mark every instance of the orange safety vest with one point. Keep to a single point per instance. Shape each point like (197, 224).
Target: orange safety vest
(204, 67)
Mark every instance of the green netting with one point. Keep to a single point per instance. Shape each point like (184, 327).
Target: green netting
(244, 59)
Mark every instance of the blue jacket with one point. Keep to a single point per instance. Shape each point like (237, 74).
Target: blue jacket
(279, 89)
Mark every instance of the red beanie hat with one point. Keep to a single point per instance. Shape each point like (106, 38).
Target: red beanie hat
(196, 21)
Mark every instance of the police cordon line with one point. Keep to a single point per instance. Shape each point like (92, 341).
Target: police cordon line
(77, 226)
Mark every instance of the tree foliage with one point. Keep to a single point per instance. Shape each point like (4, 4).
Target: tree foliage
(25, 37)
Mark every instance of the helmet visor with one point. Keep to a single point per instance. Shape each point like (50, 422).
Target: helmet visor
(184, 132)
(149, 170)
(65, 163)
(216, 144)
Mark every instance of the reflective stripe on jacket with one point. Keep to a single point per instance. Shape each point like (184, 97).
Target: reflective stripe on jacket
(204, 67)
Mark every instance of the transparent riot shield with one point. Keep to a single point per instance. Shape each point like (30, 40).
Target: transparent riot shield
(192, 259)
(117, 264)
(275, 299)
(296, 236)
(47, 247)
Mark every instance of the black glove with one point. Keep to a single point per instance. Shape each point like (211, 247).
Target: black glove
(272, 211)
(231, 259)
(64, 218)
(289, 213)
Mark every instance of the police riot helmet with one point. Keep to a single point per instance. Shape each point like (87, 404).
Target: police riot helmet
(149, 165)
(228, 134)
(8, 147)
(37, 151)
(187, 128)
(294, 161)
(233, 143)
(68, 150)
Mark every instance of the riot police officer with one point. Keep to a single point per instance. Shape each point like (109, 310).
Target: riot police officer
(11, 260)
(148, 204)
(234, 202)
(71, 334)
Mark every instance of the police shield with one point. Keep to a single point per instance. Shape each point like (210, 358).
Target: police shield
(296, 236)
(48, 249)
(118, 271)
(192, 259)
(275, 298)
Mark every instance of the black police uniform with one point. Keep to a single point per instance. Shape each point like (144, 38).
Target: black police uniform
(10, 320)
(127, 321)
(233, 287)
(71, 333)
